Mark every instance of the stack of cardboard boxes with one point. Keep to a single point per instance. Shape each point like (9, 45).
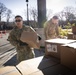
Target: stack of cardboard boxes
(63, 49)
(73, 34)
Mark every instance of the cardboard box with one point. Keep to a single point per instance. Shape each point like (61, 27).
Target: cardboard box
(33, 66)
(52, 46)
(31, 39)
(30, 66)
(68, 55)
(71, 36)
(74, 29)
(9, 70)
(38, 73)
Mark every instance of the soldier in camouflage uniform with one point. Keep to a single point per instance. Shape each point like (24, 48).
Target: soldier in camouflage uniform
(51, 28)
(24, 52)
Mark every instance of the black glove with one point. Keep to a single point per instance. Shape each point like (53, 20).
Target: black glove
(39, 37)
(22, 43)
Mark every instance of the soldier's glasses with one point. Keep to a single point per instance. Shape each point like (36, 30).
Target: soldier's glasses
(17, 20)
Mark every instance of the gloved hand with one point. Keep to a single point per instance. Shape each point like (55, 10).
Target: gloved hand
(22, 43)
(39, 37)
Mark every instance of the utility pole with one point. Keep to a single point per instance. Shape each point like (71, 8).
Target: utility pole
(41, 4)
(27, 12)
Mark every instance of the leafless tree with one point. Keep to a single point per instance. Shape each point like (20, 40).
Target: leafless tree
(49, 14)
(34, 15)
(61, 15)
(2, 10)
(8, 15)
(69, 12)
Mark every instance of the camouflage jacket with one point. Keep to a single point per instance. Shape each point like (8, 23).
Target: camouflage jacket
(15, 34)
(51, 30)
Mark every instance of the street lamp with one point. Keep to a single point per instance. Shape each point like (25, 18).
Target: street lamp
(27, 13)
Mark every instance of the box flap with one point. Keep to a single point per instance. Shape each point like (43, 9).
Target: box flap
(29, 66)
(9, 70)
(72, 45)
(60, 41)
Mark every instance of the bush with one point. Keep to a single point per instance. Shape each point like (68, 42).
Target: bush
(64, 32)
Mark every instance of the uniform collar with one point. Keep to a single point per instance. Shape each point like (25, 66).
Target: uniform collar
(18, 28)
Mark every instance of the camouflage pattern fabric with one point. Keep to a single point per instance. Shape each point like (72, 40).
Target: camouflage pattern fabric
(50, 30)
(24, 52)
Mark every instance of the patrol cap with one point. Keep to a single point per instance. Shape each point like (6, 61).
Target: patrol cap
(55, 17)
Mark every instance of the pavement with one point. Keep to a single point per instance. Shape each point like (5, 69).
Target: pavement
(40, 65)
(8, 52)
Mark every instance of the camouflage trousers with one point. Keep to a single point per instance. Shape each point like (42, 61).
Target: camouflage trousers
(24, 53)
